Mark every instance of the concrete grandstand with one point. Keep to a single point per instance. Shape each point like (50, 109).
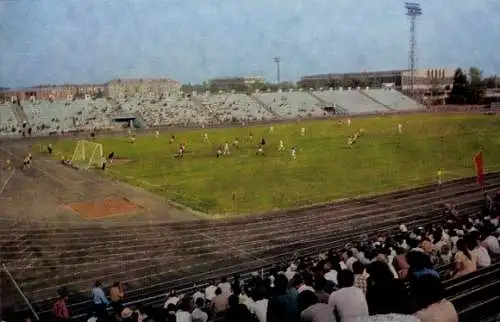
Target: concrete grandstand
(197, 109)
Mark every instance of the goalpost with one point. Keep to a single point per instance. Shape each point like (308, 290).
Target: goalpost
(87, 154)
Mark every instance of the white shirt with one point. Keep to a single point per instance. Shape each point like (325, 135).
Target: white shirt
(290, 274)
(351, 260)
(199, 316)
(331, 276)
(483, 259)
(210, 292)
(245, 300)
(259, 308)
(225, 288)
(198, 295)
(491, 244)
(171, 300)
(183, 316)
(350, 303)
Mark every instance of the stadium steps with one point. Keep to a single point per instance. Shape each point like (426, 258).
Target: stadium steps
(213, 114)
(377, 101)
(264, 105)
(339, 110)
(19, 113)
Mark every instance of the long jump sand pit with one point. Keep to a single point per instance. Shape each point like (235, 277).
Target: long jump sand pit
(102, 208)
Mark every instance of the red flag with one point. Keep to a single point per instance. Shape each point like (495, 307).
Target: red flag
(478, 161)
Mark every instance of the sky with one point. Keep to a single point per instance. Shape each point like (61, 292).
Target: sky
(93, 41)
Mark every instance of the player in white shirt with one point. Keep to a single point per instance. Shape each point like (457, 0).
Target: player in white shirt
(271, 129)
(349, 122)
(400, 128)
(302, 131)
(226, 149)
(282, 146)
(157, 134)
(294, 151)
(205, 137)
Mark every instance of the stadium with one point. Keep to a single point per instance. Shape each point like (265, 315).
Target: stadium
(135, 199)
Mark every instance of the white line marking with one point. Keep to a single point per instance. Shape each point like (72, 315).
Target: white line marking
(7, 180)
(34, 166)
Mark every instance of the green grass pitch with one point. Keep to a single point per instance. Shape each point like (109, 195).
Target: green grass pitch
(325, 168)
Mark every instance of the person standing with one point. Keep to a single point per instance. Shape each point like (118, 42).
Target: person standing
(99, 300)
(60, 310)
(116, 296)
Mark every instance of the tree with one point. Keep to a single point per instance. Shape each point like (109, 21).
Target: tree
(490, 82)
(476, 86)
(459, 92)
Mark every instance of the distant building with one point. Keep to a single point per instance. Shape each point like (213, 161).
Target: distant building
(428, 82)
(54, 92)
(119, 88)
(235, 83)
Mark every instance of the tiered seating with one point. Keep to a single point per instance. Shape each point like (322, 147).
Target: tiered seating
(234, 107)
(173, 110)
(351, 100)
(393, 99)
(57, 116)
(292, 104)
(7, 120)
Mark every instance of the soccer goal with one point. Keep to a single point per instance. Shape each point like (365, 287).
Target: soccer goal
(87, 154)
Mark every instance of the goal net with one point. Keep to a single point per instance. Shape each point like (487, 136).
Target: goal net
(87, 154)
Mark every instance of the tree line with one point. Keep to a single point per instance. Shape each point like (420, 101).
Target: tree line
(470, 87)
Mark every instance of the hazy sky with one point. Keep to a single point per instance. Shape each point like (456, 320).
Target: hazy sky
(92, 41)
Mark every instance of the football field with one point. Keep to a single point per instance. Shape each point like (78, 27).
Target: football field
(325, 167)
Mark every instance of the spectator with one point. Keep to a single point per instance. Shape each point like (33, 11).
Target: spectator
(259, 307)
(349, 302)
(465, 261)
(100, 302)
(331, 273)
(385, 294)
(400, 264)
(282, 306)
(428, 293)
(420, 264)
(210, 291)
(60, 311)
(198, 315)
(116, 296)
(237, 312)
(198, 295)
(472, 241)
(182, 314)
(225, 287)
(172, 299)
(219, 303)
(319, 289)
(490, 242)
(300, 283)
(313, 311)
(170, 313)
(360, 276)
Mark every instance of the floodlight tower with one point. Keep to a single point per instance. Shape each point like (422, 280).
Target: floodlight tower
(413, 10)
(277, 61)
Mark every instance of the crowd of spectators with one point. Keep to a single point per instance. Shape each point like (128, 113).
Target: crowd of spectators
(391, 277)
